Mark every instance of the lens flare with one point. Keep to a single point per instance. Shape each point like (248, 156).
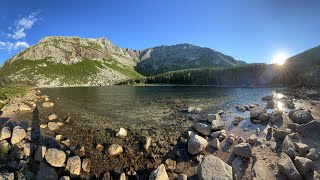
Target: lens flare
(280, 58)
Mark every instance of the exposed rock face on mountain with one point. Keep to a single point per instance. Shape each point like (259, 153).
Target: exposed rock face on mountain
(162, 59)
(70, 61)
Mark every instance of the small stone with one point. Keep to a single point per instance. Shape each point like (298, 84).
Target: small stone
(24, 107)
(115, 149)
(202, 128)
(60, 123)
(313, 154)
(196, 144)
(53, 126)
(28, 149)
(123, 176)
(52, 117)
(147, 143)
(5, 133)
(159, 174)
(7, 176)
(43, 126)
(74, 166)
(215, 143)
(217, 125)
(86, 164)
(55, 157)
(47, 104)
(100, 147)
(18, 134)
(218, 133)
(243, 150)
(252, 139)
(122, 133)
(258, 131)
(260, 170)
(303, 165)
(39, 153)
(66, 142)
(231, 139)
(58, 137)
(170, 164)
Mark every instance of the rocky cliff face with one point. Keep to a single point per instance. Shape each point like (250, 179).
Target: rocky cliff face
(162, 59)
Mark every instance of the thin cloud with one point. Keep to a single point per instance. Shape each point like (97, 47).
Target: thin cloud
(21, 25)
(9, 46)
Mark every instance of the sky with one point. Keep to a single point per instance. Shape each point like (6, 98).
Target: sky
(249, 30)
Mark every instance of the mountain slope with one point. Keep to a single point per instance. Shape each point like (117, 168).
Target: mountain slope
(70, 61)
(162, 59)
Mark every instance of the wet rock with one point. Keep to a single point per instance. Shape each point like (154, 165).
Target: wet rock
(289, 104)
(215, 143)
(287, 167)
(255, 112)
(55, 157)
(288, 147)
(47, 104)
(237, 120)
(53, 126)
(253, 105)
(303, 165)
(243, 150)
(46, 172)
(240, 108)
(277, 113)
(115, 149)
(147, 143)
(5, 133)
(100, 147)
(237, 165)
(18, 134)
(258, 131)
(202, 128)
(39, 153)
(270, 104)
(7, 176)
(74, 166)
(122, 133)
(4, 148)
(217, 125)
(310, 129)
(194, 110)
(267, 97)
(302, 148)
(28, 149)
(52, 117)
(281, 133)
(159, 173)
(260, 170)
(252, 139)
(218, 133)
(300, 117)
(170, 164)
(313, 154)
(264, 117)
(214, 117)
(196, 144)
(214, 168)
(293, 126)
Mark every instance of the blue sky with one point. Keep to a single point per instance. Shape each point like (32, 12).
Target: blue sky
(249, 30)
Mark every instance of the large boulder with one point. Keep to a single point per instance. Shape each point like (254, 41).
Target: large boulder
(74, 166)
(300, 116)
(304, 165)
(214, 168)
(255, 112)
(55, 157)
(159, 174)
(18, 134)
(202, 128)
(5, 133)
(217, 125)
(287, 167)
(288, 147)
(46, 172)
(310, 129)
(243, 150)
(196, 144)
(313, 154)
(260, 171)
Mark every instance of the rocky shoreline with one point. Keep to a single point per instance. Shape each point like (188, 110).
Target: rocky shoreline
(195, 146)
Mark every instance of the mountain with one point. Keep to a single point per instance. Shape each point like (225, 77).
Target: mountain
(163, 59)
(70, 61)
(75, 61)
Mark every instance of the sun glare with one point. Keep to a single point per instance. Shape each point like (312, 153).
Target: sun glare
(280, 58)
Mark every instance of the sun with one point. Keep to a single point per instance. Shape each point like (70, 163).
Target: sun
(280, 58)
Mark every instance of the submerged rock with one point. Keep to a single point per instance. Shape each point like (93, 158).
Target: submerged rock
(214, 168)
(159, 174)
(196, 144)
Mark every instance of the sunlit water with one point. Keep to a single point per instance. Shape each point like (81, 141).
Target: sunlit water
(145, 106)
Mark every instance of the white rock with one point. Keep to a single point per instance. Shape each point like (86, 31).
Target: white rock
(196, 144)
(55, 157)
(159, 174)
(122, 133)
